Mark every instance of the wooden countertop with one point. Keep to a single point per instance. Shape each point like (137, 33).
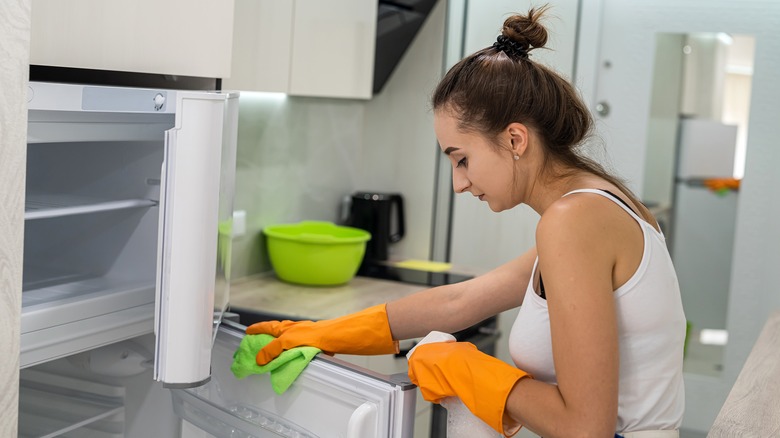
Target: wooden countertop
(264, 293)
(752, 408)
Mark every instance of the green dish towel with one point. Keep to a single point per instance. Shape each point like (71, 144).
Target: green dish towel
(284, 369)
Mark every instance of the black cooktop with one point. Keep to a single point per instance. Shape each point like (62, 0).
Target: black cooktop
(413, 276)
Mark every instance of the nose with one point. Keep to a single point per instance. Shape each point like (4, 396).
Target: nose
(460, 183)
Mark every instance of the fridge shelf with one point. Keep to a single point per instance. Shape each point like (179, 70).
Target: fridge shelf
(111, 427)
(50, 206)
(80, 298)
(51, 413)
(73, 316)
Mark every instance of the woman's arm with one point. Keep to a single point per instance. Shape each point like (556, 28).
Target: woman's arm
(577, 254)
(457, 306)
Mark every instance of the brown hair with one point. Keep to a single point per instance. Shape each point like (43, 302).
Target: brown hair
(500, 84)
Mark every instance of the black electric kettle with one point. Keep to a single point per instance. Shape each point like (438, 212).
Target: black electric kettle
(382, 215)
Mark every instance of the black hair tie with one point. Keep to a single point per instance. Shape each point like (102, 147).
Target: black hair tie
(510, 47)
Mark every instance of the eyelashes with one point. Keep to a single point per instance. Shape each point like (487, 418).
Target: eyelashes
(462, 162)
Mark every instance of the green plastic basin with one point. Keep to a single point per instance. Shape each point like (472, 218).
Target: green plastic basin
(314, 253)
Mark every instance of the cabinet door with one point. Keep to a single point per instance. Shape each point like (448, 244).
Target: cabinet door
(262, 40)
(174, 37)
(333, 48)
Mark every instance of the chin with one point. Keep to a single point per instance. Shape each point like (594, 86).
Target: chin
(496, 208)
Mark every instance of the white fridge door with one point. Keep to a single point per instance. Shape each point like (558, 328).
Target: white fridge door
(195, 227)
(330, 399)
(707, 149)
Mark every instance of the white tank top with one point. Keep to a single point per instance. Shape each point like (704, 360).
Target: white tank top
(651, 330)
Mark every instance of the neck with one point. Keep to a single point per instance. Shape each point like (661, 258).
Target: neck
(550, 187)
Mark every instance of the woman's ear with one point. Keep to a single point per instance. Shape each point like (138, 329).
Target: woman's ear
(518, 137)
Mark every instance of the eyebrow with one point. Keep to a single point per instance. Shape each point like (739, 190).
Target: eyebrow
(450, 150)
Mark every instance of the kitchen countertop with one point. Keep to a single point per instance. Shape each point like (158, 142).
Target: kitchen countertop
(752, 406)
(265, 294)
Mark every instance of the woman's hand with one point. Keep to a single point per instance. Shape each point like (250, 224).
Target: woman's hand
(458, 369)
(364, 332)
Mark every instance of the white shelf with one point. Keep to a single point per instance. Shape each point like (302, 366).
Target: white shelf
(44, 206)
(44, 414)
(61, 319)
(73, 301)
(58, 341)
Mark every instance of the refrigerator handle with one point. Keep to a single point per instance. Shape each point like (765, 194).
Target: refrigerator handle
(363, 421)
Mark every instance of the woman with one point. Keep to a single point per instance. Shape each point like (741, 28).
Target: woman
(601, 328)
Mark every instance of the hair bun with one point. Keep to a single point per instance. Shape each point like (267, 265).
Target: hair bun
(526, 30)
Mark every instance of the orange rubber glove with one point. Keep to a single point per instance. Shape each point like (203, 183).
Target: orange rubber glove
(458, 369)
(365, 332)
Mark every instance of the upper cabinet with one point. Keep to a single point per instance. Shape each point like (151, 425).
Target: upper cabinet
(172, 37)
(304, 47)
(298, 47)
(262, 40)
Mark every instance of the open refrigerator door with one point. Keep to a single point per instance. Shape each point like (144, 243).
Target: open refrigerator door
(194, 235)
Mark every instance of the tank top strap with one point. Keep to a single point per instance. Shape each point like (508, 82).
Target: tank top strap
(614, 199)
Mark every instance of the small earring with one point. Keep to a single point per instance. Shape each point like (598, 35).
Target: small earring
(517, 157)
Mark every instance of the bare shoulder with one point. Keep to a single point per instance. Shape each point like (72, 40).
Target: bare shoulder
(575, 214)
(590, 230)
(582, 226)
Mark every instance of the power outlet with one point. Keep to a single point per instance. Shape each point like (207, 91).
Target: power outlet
(239, 223)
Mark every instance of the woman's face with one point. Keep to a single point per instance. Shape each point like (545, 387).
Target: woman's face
(478, 167)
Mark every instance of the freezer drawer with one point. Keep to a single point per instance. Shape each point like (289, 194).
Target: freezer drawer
(331, 398)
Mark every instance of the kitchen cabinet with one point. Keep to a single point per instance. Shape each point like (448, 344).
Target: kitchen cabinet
(304, 47)
(174, 37)
(262, 40)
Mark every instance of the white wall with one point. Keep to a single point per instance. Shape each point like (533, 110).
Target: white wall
(296, 158)
(14, 58)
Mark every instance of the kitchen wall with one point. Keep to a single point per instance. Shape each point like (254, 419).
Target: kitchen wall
(14, 52)
(299, 157)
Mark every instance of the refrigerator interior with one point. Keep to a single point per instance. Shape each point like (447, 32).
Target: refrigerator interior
(106, 392)
(90, 247)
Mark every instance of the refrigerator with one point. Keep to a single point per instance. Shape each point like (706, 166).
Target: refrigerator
(128, 226)
(703, 220)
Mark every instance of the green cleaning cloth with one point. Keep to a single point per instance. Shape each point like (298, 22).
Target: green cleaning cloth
(284, 369)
